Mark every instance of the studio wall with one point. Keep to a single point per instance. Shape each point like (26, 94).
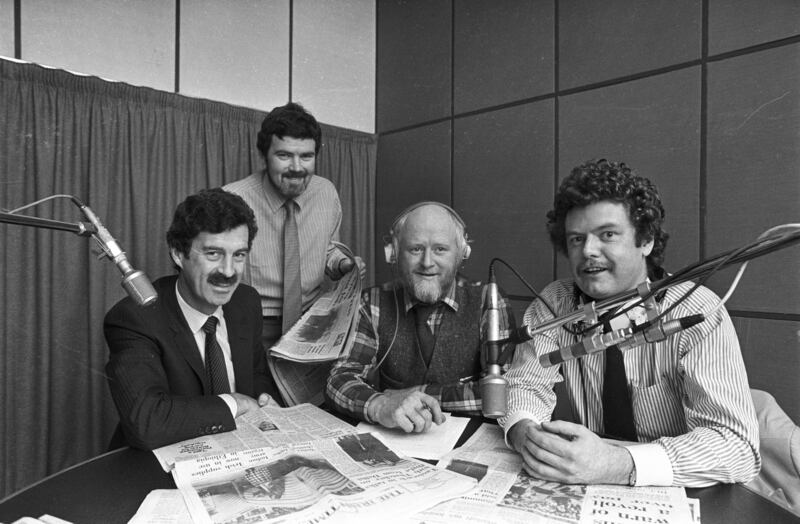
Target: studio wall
(699, 96)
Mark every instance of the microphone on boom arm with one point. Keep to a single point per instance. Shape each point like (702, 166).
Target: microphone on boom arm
(493, 384)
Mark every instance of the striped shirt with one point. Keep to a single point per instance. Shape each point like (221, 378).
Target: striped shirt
(348, 386)
(689, 392)
(318, 219)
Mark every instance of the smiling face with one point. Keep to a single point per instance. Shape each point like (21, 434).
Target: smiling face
(428, 253)
(291, 162)
(602, 251)
(211, 271)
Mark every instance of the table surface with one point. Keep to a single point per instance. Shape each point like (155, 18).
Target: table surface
(109, 489)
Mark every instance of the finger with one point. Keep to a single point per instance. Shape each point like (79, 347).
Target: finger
(555, 443)
(538, 469)
(433, 406)
(567, 430)
(421, 419)
(264, 399)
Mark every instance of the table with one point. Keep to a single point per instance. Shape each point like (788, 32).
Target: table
(109, 489)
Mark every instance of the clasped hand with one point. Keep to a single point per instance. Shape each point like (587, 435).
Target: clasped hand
(408, 409)
(569, 453)
(245, 403)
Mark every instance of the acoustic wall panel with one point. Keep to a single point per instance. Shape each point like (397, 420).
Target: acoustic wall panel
(412, 165)
(255, 32)
(653, 125)
(734, 24)
(414, 62)
(615, 38)
(503, 187)
(7, 28)
(503, 52)
(753, 166)
(131, 42)
(771, 351)
(333, 69)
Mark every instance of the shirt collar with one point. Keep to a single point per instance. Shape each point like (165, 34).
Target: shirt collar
(449, 299)
(195, 318)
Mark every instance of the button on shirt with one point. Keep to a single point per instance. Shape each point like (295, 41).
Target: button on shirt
(196, 320)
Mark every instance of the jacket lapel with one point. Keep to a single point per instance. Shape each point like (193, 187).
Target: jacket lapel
(241, 344)
(185, 343)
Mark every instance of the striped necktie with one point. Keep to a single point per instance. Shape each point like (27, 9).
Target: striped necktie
(292, 289)
(215, 360)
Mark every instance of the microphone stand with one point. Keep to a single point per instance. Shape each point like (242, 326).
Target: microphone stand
(83, 229)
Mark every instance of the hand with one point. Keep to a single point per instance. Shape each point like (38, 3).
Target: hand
(346, 265)
(569, 453)
(265, 399)
(245, 403)
(410, 410)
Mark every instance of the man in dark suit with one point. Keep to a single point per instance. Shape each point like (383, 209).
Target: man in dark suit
(191, 363)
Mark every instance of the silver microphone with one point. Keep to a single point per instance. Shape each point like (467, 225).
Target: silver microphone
(134, 281)
(493, 385)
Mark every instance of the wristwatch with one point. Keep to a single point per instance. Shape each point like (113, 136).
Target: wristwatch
(632, 477)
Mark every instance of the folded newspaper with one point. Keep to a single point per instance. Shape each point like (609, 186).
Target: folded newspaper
(269, 426)
(506, 494)
(301, 360)
(352, 477)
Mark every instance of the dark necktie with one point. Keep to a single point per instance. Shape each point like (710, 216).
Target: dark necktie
(215, 360)
(425, 337)
(292, 290)
(617, 408)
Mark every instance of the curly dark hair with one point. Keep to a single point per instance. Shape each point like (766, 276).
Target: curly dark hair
(291, 120)
(601, 180)
(211, 211)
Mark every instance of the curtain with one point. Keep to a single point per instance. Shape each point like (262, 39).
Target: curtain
(131, 154)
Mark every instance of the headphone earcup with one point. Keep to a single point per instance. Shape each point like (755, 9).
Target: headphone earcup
(389, 253)
(467, 251)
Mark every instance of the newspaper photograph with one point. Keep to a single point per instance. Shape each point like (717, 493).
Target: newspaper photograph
(301, 360)
(268, 427)
(351, 477)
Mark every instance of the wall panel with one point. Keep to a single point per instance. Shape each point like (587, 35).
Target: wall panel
(503, 52)
(614, 38)
(414, 62)
(753, 166)
(734, 24)
(132, 42)
(771, 351)
(503, 186)
(653, 125)
(334, 68)
(7, 28)
(413, 165)
(256, 33)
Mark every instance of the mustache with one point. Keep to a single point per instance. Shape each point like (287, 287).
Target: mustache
(220, 279)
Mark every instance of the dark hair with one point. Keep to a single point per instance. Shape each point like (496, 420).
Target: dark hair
(290, 120)
(210, 211)
(601, 180)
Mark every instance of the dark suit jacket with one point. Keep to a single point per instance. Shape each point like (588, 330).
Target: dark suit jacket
(156, 374)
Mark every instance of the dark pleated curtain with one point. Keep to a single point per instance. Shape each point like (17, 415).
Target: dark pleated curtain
(131, 154)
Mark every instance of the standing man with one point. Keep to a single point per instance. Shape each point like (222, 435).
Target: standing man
(191, 363)
(417, 349)
(684, 401)
(298, 217)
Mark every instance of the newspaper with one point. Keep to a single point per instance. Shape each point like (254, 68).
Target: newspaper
(352, 477)
(269, 426)
(506, 494)
(302, 358)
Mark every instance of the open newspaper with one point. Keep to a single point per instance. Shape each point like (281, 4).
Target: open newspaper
(349, 478)
(506, 494)
(301, 360)
(269, 426)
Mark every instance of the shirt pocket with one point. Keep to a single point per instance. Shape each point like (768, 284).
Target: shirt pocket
(657, 411)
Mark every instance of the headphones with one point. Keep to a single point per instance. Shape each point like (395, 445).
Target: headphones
(390, 242)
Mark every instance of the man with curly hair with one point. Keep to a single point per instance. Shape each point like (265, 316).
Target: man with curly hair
(683, 414)
(191, 363)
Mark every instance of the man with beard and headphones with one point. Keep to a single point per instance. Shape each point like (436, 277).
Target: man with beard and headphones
(191, 363)
(417, 350)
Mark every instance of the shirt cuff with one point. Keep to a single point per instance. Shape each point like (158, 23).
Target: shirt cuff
(652, 464)
(513, 419)
(231, 402)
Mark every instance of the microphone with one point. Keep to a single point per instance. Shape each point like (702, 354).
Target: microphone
(493, 385)
(625, 338)
(135, 282)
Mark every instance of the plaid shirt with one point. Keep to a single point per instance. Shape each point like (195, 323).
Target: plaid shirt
(348, 387)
